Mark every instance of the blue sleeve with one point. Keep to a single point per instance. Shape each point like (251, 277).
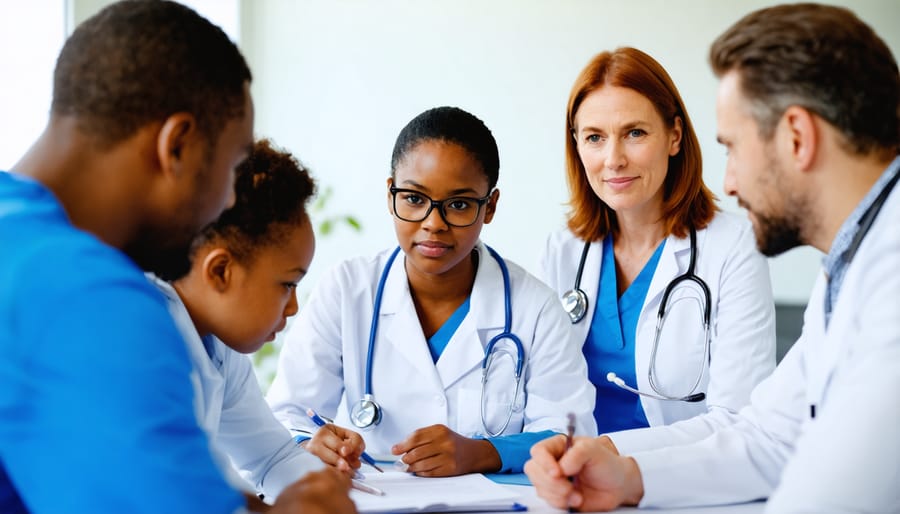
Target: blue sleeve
(98, 403)
(515, 449)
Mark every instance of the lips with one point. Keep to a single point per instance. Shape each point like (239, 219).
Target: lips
(432, 248)
(619, 183)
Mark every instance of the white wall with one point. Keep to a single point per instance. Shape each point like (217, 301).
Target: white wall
(336, 80)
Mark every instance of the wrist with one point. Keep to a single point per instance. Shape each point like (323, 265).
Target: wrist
(486, 457)
(634, 482)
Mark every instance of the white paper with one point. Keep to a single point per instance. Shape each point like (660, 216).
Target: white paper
(405, 492)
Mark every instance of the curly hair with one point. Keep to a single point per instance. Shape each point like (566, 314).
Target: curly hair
(272, 189)
(140, 61)
(453, 125)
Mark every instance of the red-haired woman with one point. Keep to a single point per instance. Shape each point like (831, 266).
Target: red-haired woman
(645, 241)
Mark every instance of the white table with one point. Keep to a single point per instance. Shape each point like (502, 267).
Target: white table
(538, 506)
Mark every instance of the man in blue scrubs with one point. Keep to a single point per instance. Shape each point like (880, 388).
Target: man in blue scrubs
(151, 113)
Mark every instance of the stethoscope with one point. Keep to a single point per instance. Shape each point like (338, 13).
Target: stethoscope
(367, 412)
(575, 302)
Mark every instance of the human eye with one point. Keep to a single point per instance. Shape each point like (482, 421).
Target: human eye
(289, 286)
(636, 133)
(412, 198)
(460, 204)
(593, 138)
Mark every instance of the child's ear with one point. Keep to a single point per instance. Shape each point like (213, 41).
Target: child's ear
(217, 269)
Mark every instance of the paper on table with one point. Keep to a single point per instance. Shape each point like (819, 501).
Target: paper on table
(408, 493)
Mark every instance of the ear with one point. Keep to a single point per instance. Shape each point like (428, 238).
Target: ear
(799, 125)
(174, 136)
(491, 206)
(390, 203)
(677, 132)
(218, 269)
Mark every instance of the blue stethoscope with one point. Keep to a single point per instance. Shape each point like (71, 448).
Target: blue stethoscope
(367, 412)
(575, 302)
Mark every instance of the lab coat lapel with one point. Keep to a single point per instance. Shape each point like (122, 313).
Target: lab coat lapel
(673, 262)
(590, 282)
(399, 324)
(465, 350)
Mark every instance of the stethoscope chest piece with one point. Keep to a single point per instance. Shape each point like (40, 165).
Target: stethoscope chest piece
(366, 412)
(575, 302)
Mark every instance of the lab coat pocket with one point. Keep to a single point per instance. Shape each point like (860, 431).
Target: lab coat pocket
(496, 407)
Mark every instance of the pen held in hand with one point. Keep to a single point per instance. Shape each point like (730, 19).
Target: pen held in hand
(365, 457)
(570, 434)
(366, 488)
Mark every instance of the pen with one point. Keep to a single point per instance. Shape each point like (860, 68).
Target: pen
(365, 457)
(356, 484)
(570, 433)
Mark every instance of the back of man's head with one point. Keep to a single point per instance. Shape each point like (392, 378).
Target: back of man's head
(822, 58)
(139, 61)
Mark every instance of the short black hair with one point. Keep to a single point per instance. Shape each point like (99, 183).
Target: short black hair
(453, 125)
(271, 189)
(139, 61)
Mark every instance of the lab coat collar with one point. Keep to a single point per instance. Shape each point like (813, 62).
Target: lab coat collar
(486, 317)
(399, 323)
(674, 261)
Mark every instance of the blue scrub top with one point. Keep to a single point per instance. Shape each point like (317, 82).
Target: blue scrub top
(610, 343)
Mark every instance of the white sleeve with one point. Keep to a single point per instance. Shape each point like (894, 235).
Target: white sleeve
(742, 349)
(740, 462)
(557, 378)
(259, 446)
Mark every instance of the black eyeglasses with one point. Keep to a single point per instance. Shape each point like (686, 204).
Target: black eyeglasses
(456, 211)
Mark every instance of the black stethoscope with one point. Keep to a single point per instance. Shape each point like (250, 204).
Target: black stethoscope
(575, 302)
(367, 412)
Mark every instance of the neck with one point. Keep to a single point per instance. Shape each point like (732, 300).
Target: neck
(191, 297)
(96, 188)
(453, 286)
(638, 232)
(838, 191)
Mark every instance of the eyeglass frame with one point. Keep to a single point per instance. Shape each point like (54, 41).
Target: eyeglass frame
(439, 204)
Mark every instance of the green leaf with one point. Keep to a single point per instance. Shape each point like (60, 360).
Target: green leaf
(326, 227)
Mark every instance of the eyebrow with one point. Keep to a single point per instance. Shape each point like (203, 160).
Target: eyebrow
(627, 126)
(454, 192)
(298, 269)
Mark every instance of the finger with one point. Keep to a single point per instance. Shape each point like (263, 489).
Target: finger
(417, 438)
(433, 466)
(326, 445)
(546, 454)
(420, 453)
(582, 451)
(554, 491)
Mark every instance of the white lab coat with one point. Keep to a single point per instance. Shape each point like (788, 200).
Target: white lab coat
(847, 458)
(231, 409)
(742, 321)
(322, 364)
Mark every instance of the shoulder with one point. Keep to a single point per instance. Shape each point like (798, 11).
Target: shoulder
(562, 241)
(524, 283)
(728, 233)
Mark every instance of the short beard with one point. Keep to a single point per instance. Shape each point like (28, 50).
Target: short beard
(776, 234)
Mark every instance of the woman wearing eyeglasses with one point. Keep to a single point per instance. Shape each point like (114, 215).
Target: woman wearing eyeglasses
(395, 347)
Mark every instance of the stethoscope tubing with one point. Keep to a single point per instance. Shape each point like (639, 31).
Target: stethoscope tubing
(368, 403)
(688, 276)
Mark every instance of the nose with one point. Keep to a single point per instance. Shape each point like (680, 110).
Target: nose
(615, 155)
(434, 221)
(292, 306)
(730, 184)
